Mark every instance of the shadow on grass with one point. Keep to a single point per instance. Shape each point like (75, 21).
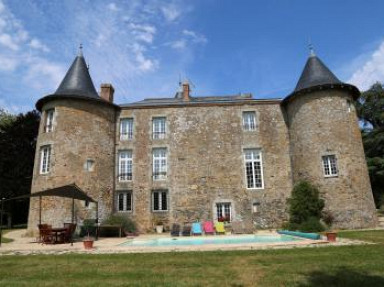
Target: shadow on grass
(342, 277)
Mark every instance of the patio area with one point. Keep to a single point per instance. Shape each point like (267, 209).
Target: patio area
(22, 245)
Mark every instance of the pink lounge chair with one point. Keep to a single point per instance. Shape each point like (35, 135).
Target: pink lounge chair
(208, 227)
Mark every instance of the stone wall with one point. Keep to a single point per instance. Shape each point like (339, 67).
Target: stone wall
(325, 123)
(205, 163)
(82, 130)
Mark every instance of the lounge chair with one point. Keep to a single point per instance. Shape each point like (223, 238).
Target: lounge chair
(219, 226)
(186, 230)
(196, 228)
(175, 230)
(237, 227)
(208, 227)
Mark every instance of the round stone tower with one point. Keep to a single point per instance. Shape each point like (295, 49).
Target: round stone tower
(75, 144)
(326, 146)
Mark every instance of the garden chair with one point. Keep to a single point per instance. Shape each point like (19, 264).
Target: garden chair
(175, 230)
(219, 226)
(186, 230)
(47, 237)
(208, 227)
(196, 228)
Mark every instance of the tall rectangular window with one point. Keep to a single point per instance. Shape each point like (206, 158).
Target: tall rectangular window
(124, 200)
(223, 211)
(159, 163)
(160, 200)
(49, 115)
(253, 168)
(45, 159)
(125, 165)
(249, 121)
(330, 165)
(158, 128)
(126, 129)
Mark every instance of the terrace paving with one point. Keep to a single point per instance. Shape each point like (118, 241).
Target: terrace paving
(28, 246)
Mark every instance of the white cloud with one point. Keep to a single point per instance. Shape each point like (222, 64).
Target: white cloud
(8, 64)
(196, 37)
(143, 32)
(113, 7)
(7, 41)
(36, 44)
(171, 12)
(179, 44)
(371, 71)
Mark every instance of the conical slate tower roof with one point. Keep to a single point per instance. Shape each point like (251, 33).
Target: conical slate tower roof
(77, 81)
(317, 76)
(315, 73)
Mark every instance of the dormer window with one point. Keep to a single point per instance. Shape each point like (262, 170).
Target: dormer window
(49, 116)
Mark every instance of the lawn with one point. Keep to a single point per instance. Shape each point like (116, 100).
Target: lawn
(376, 236)
(323, 266)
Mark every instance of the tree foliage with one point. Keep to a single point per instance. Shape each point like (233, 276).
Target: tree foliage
(18, 136)
(305, 208)
(370, 109)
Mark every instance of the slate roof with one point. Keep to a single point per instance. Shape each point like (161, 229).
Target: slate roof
(77, 81)
(316, 75)
(178, 101)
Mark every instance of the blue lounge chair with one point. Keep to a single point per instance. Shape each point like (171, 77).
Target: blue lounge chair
(196, 228)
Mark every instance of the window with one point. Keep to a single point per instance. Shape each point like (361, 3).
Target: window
(45, 159)
(330, 165)
(158, 128)
(49, 114)
(89, 165)
(249, 121)
(223, 211)
(253, 168)
(160, 200)
(124, 201)
(125, 165)
(159, 163)
(126, 129)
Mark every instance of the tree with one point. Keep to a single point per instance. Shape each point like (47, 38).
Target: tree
(17, 151)
(305, 208)
(370, 110)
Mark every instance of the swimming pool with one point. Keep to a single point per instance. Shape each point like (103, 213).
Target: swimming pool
(198, 241)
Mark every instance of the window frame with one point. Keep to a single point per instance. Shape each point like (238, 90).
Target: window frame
(161, 194)
(223, 209)
(159, 128)
(327, 165)
(246, 123)
(126, 194)
(128, 135)
(49, 120)
(128, 166)
(162, 172)
(253, 161)
(45, 159)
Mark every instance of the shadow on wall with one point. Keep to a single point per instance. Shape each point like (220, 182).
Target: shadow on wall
(342, 277)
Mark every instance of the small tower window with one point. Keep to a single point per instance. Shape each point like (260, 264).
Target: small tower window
(49, 116)
(89, 165)
(330, 165)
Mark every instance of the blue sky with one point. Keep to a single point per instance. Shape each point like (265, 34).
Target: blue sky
(223, 47)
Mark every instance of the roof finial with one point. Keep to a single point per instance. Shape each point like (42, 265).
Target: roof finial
(311, 50)
(80, 53)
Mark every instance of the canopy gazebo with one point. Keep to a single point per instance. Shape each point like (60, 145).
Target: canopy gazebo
(67, 191)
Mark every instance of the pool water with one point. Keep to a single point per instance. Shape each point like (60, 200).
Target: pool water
(196, 241)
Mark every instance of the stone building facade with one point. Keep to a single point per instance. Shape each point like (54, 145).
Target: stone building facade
(187, 158)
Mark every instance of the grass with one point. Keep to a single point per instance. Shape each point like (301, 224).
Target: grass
(376, 236)
(324, 266)
(4, 239)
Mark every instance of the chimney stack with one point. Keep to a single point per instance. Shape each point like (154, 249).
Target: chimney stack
(106, 92)
(186, 91)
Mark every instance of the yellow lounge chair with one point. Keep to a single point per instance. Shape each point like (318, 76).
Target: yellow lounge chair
(219, 226)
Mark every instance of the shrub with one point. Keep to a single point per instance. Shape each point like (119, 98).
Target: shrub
(305, 208)
(116, 219)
